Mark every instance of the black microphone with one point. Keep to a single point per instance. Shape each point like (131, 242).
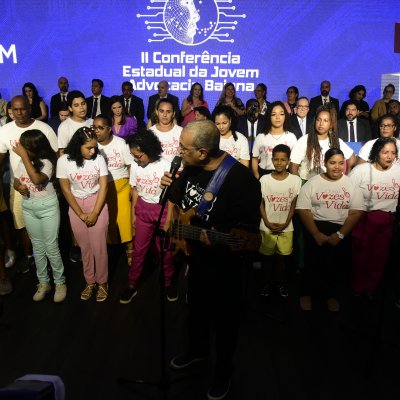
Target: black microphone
(175, 165)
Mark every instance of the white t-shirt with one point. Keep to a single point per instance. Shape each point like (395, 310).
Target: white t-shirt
(330, 200)
(36, 191)
(379, 188)
(169, 141)
(238, 149)
(67, 129)
(366, 149)
(264, 144)
(307, 168)
(278, 197)
(10, 134)
(147, 179)
(118, 157)
(84, 180)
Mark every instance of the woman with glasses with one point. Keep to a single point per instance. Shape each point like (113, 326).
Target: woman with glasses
(82, 173)
(119, 159)
(387, 129)
(123, 125)
(145, 178)
(379, 181)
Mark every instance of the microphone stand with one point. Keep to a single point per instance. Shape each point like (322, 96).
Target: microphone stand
(164, 384)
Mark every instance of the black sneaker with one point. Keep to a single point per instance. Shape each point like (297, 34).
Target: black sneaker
(25, 264)
(266, 292)
(184, 360)
(219, 389)
(127, 295)
(397, 303)
(172, 293)
(282, 291)
(75, 254)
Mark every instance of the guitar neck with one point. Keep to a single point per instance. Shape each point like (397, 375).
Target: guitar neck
(184, 231)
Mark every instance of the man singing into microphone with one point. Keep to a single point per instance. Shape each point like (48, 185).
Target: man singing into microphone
(145, 178)
(214, 284)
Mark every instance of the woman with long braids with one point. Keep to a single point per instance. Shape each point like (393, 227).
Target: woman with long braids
(307, 157)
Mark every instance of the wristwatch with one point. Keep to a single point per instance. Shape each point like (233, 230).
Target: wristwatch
(340, 234)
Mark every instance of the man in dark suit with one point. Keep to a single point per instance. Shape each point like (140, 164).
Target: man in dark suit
(301, 123)
(133, 104)
(163, 87)
(351, 128)
(97, 104)
(252, 123)
(324, 98)
(58, 99)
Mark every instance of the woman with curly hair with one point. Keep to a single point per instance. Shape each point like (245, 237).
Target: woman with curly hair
(83, 177)
(34, 178)
(38, 106)
(145, 180)
(379, 181)
(307, 157)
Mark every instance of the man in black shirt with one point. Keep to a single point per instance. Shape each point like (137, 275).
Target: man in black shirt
(214, 285)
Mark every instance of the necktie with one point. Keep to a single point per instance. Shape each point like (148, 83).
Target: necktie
(303, 131)
(63, 98)
(251, 141)
(94, 110)
(352, 135)
(127, 106)
(325, 101)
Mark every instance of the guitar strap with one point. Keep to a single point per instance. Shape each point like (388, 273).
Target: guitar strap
(215, 184)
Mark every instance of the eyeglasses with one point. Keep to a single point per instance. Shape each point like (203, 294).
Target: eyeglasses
(184, 149)
(98, 128)
(384, 126)
(137, 158)
(302, 107)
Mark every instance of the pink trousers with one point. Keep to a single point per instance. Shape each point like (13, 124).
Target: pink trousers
(92, 241)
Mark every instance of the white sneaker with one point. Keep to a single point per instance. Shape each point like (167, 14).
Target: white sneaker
(9, 258)
(60, 293)
(42, 290)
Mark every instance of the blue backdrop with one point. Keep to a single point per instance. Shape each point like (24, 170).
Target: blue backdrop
(279, 42)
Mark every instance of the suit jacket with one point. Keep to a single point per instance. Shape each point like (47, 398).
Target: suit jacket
(315, 102)
(136, 108)
(104, 106)
(152, 105)
(295, 126)
(363, 130)
(243, 128)
(55, 104)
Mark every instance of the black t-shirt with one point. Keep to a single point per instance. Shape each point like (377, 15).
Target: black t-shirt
(237, 203)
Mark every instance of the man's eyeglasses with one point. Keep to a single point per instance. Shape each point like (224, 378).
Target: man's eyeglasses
(302, 107)
(184, 149)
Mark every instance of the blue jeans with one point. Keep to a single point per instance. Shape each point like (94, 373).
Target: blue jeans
(42, 220)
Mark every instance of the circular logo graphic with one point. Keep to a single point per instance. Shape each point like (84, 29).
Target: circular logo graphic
(191, 22)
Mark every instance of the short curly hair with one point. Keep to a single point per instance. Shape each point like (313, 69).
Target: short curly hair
(379, 144)
(147, 142)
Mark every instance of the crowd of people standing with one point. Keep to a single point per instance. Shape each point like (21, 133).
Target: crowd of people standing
(289, 171)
